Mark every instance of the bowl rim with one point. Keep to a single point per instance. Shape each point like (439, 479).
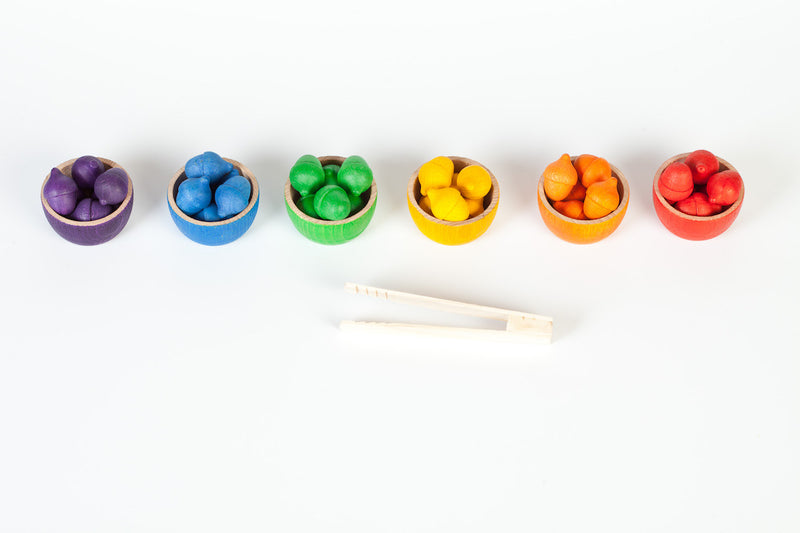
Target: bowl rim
(697, 218)
(623, 202)
(330, 160)
(87, 223)
(254, 194)
(495, 192)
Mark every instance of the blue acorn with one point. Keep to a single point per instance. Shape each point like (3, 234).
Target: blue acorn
(232, 196)
(194, 195)
(209, 165)
(209, 214)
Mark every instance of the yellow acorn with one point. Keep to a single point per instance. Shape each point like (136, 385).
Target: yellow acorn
(474, 182)
(425, 204)
(435, 174)
(448, 204)
(475, 206)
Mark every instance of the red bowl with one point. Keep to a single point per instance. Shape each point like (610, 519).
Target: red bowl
(693, 227)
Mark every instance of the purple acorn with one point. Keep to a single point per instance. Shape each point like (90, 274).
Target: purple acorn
(61, 192)
(111, 187)
(88, 209)
(100, 211)
(85, 171)
(83, 211)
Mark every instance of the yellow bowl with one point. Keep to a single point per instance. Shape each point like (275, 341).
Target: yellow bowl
(451, 233)
(585, 231)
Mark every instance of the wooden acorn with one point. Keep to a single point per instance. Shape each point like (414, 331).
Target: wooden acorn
(354, 175)
(559, 178)
(194, 195)
(331, 203)
(209, 165)
(676, 182)
(592, 169)
(307, 175)
(724, 187)
(61, 192)
(698, 205)
(703, 165)
(85, 170)
(232, 196)
(602, 198)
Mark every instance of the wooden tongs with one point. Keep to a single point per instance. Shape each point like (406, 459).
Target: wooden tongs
(520, 327)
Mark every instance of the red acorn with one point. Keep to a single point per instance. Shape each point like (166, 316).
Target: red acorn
(675, 183)
(724, 187)
(703, 165)
(698, 205)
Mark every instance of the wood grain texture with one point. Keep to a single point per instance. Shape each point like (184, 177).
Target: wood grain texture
(330, 231)
(453, 233)
(520, 326)
(441, 304)
(90, 232)
(221, 231)
(584, 231)
(690, 227)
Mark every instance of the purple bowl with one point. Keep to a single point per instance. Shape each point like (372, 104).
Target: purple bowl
(95, 231)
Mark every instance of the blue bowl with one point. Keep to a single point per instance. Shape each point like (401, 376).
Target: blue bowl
(220, 232)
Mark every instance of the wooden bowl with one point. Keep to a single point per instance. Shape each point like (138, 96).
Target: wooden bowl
(585, 231)
(692, 227)
(330, 231)
(94, 231)
(452, 233)
(221, 231)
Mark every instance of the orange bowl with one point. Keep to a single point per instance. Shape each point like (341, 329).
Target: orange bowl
(585, 231)
(694, 228)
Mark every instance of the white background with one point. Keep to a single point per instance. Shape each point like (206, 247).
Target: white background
(154, 384)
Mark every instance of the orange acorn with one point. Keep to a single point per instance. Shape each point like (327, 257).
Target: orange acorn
(581, 162)
(559, 178)
(570, 208)
(601, 198)
(578, 192)
(592, 169)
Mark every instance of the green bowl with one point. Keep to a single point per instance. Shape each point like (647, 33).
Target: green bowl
(330, 231)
